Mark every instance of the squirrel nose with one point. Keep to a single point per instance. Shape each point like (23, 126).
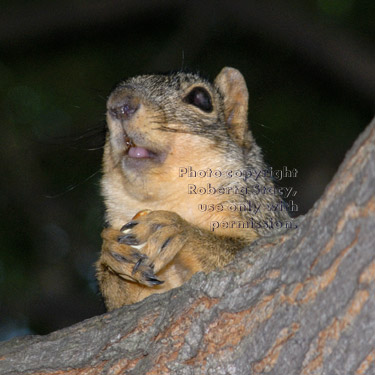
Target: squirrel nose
(123, 107)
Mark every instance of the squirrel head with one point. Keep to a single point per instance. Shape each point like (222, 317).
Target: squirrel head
(158, 123)
(142, 108)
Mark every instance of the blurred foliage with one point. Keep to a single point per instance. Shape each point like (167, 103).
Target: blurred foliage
(53, 91)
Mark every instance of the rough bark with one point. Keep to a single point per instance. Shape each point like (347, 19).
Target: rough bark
(301, 302)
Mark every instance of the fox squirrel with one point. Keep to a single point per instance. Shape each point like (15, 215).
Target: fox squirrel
(178, 146)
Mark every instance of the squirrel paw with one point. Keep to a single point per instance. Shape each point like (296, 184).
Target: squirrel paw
(159, 235)
(145, 245)
(126, 261)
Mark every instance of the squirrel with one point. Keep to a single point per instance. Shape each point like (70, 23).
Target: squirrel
(178, 147)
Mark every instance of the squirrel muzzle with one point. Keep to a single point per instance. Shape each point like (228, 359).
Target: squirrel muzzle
(131, 135)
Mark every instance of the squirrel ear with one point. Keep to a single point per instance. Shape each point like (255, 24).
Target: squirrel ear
(232, 85)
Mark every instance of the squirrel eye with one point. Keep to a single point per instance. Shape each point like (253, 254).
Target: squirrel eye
(200, 98)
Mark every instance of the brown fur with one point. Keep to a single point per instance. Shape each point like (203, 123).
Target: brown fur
(157, 114)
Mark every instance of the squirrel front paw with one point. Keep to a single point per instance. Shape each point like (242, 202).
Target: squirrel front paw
(126, 261)
(159, 235)
(144, 245)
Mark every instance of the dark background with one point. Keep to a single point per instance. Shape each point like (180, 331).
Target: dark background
(310, 70)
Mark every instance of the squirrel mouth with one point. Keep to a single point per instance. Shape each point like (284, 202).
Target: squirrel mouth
(136, 152)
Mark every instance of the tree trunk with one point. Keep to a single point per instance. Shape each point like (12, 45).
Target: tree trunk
(301, 302)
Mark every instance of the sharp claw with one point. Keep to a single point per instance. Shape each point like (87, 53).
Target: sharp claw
(138, 255)
(135, 268)
(119, 257)
(129, 225)
(154, 281)
(150, 277)
(128, 239)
